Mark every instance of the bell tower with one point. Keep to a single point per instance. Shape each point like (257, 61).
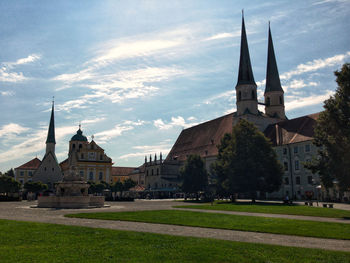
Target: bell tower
(274, 94)
(246, 96)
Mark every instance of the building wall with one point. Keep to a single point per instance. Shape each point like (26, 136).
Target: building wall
(297, 180)
(24, 175)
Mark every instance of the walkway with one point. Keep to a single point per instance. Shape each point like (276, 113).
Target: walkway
(23, 212)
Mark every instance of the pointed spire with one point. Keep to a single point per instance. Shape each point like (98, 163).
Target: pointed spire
(273, 82)
(245, 73)
(51, 132)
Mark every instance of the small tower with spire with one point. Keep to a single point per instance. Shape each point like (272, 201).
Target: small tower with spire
(50, 141)
(274, 94)
(246, 96)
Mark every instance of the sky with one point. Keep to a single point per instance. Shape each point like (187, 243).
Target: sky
(135, 73)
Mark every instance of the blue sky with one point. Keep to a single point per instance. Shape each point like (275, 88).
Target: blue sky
(135, 73)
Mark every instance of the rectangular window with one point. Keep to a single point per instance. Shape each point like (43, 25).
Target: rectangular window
(91, 175)
(297, 180)
(100, 176)
(92, 156)
(81, 173)
(30, 173)
(309, 179)
(296, 149)
(296, 165)
(285, 166)
(307, 148)
(21, 173)
(284, 151)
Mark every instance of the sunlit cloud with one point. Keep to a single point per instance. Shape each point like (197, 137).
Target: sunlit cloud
(307, 101)
(12, 128)
(316, 65)
(175, 122)
(147, 150)
(223, 35)
(7, 93)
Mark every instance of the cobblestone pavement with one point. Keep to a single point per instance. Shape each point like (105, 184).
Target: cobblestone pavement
(21, 211)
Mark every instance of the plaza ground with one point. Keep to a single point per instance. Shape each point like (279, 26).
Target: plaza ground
(22, 211)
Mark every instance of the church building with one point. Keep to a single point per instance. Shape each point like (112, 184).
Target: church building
(292, 139)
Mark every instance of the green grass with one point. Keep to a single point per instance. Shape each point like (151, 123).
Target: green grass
(37, 242)
(235, 222)
(273, 208)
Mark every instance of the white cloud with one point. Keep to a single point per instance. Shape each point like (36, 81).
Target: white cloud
(307, 101)
(117, 130)
(175, 122)
(6, 74)
(316, 65)
(299, 84)
(146, 150)
(89, 121)
(224, 35)
(31, 58)
(12, 128)
(7, 93)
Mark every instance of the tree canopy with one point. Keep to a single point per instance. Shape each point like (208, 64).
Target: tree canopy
(8, 185)
(35, 187)
(246, 162)
(193, 174)
(332, 135)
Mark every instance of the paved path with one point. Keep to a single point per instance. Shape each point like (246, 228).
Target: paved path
(23, 212)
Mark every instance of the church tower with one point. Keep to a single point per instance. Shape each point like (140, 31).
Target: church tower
(246, 97)
(50, 141)
(274, 94)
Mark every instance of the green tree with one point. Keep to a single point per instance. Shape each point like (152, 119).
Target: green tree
(194, 176)
(332, 135)
(10, 173)
(127, 184)
(9, 185)
(246, 162)
(35, 187)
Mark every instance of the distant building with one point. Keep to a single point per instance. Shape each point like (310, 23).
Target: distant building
(24, 173)
(120, 174)
(91, 161)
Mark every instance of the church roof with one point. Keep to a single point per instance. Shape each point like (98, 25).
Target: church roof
(31, 165)
(79, 136)
(273, 82)
(292, 131)
(51, 131)
(245, 72)
(201, 139)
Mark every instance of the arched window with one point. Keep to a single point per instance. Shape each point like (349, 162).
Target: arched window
(281, 100)
(73, 146)
(152, 171)
(157, 171)
(239, 96)
(268, 101)
(80, 146)
(253, 94)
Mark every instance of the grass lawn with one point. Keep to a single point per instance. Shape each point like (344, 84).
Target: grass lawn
(236, 222)
(273, 208)
(37, 242)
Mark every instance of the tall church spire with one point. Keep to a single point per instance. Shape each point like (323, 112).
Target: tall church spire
(274, 94)
(50, 141)
(246, 89)
(273, 82)
(245, 73)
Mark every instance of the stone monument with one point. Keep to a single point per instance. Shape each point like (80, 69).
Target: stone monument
(71, 192)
